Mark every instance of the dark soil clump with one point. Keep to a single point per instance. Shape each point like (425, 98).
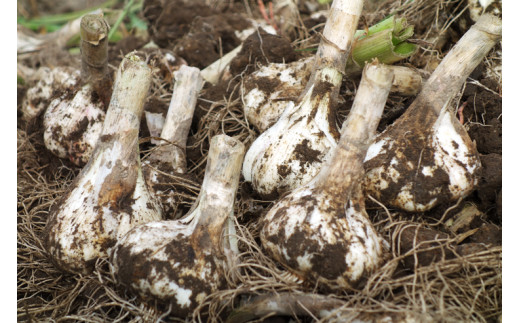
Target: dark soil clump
(262, 48)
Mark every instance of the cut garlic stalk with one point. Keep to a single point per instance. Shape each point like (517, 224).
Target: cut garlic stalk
(267, 91)
(290, 153)
(109, 196)
(426, 157)
(321, 231)
(73, 121)
(170, 156)
(181, 262)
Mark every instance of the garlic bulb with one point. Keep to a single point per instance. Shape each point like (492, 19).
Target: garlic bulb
(321, 231)
(291, 152)
(50, 81)
(181, 262)
(109, 196)
(73, 123)
(267, 91)
(426, 157)
(170, 156)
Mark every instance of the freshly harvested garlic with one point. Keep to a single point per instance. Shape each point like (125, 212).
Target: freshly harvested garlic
(321, 231)
(72, 123)
(426, 157)
(181, 262)
(291, 152)
(109, 196)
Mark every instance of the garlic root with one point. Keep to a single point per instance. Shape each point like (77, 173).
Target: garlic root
(109, 196)
(321, 231)
(426, 157)
(182, 261)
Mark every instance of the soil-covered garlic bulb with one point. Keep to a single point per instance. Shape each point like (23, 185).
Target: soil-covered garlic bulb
(170, 156)
(73, 121)
(267, 91)
(181, 262)
(321, 231)
(290, 153)
(50, 81)
(426, 157)
(109, 197)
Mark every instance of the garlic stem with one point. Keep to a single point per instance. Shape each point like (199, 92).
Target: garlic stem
(181, 262)
(358, 131)
(94, 47)
(109, 196)
(188, 83)
(338, 34)
(170, 157)
(213, 72)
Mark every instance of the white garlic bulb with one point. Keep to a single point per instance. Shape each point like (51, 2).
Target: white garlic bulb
(73, 123)
(321, 231)
(426, 157)
(290, 153)
(109, 196)
(50, 81)
(181, 262)
(267, 91)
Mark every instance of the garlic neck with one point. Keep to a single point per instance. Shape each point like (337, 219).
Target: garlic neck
(345, 168)
(126, 108)
(463, 58)
(217, 194)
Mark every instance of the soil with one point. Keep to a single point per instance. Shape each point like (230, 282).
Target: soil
(434, 264)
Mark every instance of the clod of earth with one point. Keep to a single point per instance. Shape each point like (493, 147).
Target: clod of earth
(109, 196)
(181, 262)
(290, 153)
(321, 231)
(426, 157)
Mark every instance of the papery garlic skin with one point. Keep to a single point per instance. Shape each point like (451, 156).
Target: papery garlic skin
(181, 262)
(109, 196)
(266, 91)
(50, 81)
(72, 126)
(448, 166)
